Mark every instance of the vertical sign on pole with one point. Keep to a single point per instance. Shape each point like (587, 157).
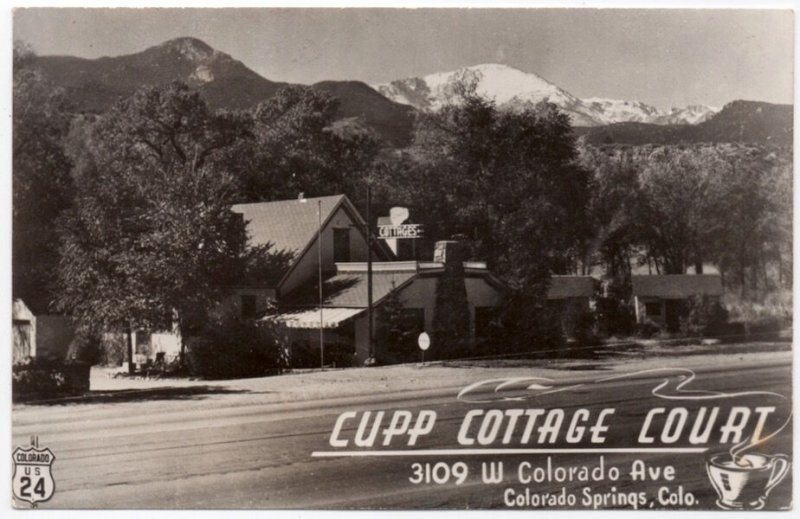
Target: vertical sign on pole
(424, 342)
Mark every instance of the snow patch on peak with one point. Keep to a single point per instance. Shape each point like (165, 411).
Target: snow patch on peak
(512, 88)
(190, 48)
(495, 81)
(692, 114)
(201, 74)
(618, 110)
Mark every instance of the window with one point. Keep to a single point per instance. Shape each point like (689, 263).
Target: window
(248, 303)
(653, 309)
(484, 315)
(341, 245)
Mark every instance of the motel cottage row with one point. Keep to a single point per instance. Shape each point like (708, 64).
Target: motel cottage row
(329, 232)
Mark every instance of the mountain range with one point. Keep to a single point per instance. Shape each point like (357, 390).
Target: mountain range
(93, 85)
(738, 121)
(511, 87)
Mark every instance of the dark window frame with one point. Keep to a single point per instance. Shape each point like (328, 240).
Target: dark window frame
(341, 245)
(650, 305)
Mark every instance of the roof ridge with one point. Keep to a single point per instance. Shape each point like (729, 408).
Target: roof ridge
(286, 200)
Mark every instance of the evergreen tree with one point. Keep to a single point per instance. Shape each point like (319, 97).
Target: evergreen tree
(397, 334)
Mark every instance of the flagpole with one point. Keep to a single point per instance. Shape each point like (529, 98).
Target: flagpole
(319, 281)
(369, 274)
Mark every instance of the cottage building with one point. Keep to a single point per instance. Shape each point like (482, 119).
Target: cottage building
(345, 300)
(39, 334)
(293, 228)
(330, 229)
(571, 297)
(660, 300)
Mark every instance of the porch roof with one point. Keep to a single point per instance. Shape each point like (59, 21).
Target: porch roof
(310, 319)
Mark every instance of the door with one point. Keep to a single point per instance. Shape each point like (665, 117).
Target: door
(673, 310)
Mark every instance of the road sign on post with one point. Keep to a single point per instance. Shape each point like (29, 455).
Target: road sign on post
(424, 342)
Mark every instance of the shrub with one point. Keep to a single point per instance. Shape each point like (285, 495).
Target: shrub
(397, 332)
(86, 346)
(615, 317)
(47, 378)
(230, 347)
(704, 316)
(773, 306)
(305, 354)
(646, 329)
(528, 326)
(585, 333)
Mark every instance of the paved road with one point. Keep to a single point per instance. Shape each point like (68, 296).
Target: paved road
(227, 450)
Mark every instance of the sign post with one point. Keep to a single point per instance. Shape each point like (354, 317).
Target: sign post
(424, 342)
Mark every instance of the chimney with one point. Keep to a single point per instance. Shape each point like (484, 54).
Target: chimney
(449, 251)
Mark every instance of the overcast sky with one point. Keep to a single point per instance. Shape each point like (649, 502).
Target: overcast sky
(666, 58)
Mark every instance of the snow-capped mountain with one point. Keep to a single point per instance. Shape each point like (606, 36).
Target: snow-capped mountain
(692, 114)
(510, 87)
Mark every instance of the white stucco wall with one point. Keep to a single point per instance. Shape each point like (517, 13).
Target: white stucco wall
(421, 293)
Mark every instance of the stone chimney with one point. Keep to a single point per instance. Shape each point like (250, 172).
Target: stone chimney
(449, 251)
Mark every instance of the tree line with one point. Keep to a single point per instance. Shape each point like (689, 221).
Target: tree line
(122, 219)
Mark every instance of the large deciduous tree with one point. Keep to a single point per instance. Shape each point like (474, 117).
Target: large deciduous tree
(41, 183)
(151, 240)
(675, 207)
(298, 146)
(504, 181)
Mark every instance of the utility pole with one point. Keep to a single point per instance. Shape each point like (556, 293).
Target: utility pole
(319, 281)
(371, 357)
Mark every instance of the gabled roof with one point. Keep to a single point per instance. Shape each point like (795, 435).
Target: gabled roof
(290, 225)
(564, 287)
(677, 286)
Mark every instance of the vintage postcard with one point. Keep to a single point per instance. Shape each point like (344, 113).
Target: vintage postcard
(402, 259)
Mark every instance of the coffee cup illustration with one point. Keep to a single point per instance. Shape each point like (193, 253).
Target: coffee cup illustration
(745, 483)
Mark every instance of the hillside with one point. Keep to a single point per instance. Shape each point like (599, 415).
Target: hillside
(738, 121)
(93, 85)
(357, 99)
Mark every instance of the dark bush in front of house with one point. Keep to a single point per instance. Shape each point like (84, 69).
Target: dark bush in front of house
(585, 330)
(86, 346)
(305, 355)
(614, 317)
(646, 330)
(42, 378)
(232, 347)
(704, 316)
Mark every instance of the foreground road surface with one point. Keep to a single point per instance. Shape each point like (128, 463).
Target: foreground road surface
(224, 449)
